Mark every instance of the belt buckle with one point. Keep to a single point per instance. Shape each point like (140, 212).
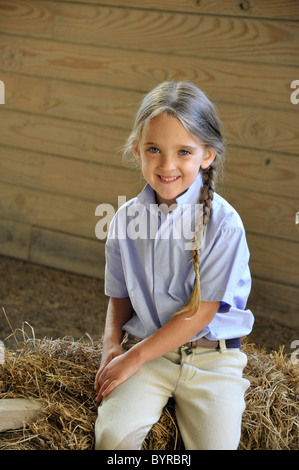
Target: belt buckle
(187, 348)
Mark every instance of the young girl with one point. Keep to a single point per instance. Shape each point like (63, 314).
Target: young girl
(183, 309)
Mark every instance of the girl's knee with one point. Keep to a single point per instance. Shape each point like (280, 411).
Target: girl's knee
(107, 438)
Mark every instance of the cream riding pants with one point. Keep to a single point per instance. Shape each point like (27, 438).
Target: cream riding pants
(208, 390)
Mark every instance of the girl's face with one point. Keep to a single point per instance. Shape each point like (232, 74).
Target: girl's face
(170, 157)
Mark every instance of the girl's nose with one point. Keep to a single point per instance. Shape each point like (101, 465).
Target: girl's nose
(167, 163)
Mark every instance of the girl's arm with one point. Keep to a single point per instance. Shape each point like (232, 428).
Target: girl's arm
(119, 311)
(178, 331)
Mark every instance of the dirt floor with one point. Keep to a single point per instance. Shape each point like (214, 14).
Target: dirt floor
(47, 302)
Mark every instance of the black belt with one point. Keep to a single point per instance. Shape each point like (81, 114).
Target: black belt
(233, 343)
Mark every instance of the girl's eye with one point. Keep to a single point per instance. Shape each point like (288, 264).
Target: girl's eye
(184, 152)
(153, 150)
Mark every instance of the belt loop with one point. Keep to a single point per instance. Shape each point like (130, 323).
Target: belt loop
(222, 345)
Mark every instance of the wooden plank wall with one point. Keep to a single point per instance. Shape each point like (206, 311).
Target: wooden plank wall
(74, 72)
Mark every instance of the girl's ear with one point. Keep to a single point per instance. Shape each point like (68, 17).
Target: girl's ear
(208, 158)
(137, 154)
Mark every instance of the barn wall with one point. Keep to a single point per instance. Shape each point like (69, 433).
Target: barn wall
(74, 72)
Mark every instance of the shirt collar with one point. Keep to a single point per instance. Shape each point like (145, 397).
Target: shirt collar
(147, 197)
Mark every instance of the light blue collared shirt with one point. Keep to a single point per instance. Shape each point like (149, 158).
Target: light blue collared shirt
(148, 259)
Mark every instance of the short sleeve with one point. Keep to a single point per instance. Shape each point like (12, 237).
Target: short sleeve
(115, 283)
(224, 271)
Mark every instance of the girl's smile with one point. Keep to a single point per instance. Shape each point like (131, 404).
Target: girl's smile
(168, 179)
(170, 157)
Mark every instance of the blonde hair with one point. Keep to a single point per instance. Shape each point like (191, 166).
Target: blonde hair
(197, 113)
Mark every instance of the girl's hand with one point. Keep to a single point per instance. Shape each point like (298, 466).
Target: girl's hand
(115, 372)
(108, 354)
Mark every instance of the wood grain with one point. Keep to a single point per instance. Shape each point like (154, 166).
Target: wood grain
(62, 137)
(68, 252)
(274, 259)
(240, 39)
(51, 211)
(64, 176)
(275, 301)
(28, 17)
(270, 173)
(14, 239)
(288, 9)
(266, 215)
(242, 82)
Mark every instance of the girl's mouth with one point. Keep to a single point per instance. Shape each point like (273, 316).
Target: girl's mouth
(168, 179)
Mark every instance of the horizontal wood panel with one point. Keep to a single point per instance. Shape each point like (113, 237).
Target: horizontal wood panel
(246, 83)
(115, 107)
(14, 239)
(264, 214)
(238, 39)
(278, 301)
(65, 251)
(59, 250)
(54, 212)
(19, 92)
(261, 128)
(31, 17)
(274, 260)
(74, 178)
(214, 36)
(61, 137)
(288, 9)
(74, 101)
(261, 171)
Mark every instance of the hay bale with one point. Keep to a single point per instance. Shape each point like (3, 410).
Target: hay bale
(271, 418)
(60, 374)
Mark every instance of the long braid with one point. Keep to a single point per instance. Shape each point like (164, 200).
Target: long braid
(206, 198)
(207, 191)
